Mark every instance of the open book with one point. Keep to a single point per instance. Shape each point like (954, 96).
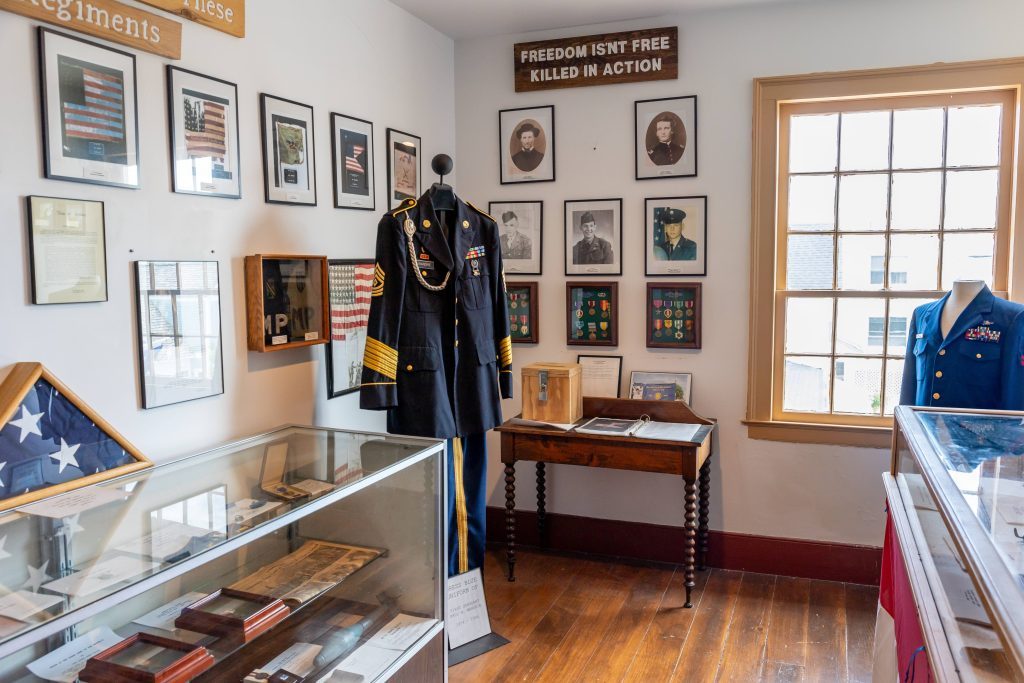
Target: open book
(645, 428)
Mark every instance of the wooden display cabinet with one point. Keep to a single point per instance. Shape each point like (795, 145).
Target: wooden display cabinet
(286, 301)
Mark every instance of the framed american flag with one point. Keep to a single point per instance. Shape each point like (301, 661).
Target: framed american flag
(350, 283)
(51, 442)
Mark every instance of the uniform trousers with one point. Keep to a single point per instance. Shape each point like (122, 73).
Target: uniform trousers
(467, 502)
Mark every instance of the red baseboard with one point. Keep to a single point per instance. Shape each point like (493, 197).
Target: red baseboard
(661, 543)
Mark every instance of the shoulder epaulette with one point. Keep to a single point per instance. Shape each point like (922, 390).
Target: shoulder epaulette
(481, 211)
(404, 206)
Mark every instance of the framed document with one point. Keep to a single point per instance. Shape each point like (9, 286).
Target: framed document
(180, 350)
(673, 315)
(661, 386)
(90, 117)
(526, 144)
(203, 112)
(592, 311)
(675, 236)
(404, 167)
(521, 232)
(522, 312)
(602, 375)
(289, 164)
(147, 658)
(233, 614)
(666, 138)
(67, 250)
(352, 158)
(593, 237)
(350, 283)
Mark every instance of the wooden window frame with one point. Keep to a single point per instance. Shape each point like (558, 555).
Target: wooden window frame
(764, 418)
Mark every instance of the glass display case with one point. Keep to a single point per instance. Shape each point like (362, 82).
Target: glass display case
(956, 498)
(303, 554)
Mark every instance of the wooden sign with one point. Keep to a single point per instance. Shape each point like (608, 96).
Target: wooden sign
(223, 15)
(107, 19)
(648, 55)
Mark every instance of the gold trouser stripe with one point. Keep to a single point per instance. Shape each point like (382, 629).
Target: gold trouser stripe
(505, 351)
(381, 358)
(461, 515)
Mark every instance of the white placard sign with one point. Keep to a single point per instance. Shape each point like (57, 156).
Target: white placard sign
(64, 663)
(467, 617)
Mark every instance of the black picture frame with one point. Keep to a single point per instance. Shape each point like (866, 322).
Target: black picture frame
(53, 155)
(511, 264)
(573, 269)
(338, 169)
(687, 164)
(33, 248)
(172, 123)
(660, 315)
(505, 132)
(392, 137)
(329, 352)
(696, 209)
(516, 314)
(265, 146)
(618, 381)
(582, 315)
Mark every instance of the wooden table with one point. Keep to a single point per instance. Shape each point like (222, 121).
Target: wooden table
(690, 460)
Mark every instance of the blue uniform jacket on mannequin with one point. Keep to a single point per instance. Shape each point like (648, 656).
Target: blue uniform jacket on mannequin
(438, 348)
(979, 364)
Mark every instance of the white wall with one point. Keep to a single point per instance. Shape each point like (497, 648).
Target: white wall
(758, 487)
(365, 58)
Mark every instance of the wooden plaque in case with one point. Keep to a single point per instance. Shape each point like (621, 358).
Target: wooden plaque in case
(553, 392)
(233, 614)
(286, 301)
(146, 658)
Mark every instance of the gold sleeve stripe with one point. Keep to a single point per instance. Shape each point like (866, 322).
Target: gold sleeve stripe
(378, 281)
(381, 358)
(505, 351)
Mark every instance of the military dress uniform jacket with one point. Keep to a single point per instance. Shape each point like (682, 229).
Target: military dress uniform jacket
(438, 361)
(980, 364)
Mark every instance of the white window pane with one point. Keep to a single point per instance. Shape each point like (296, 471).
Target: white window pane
(917, 138)
(812, 143)
(809, 260)
(854, 326)
(971, 200)
(916, 200)
(973, 136)
(812, 202)
(967, 257)
(806, 384)
(858, 256)
(913, 261)
(858, 389)
(864, 141)
(901, 310)
(863, 200)
(808, 325)
(893, 382)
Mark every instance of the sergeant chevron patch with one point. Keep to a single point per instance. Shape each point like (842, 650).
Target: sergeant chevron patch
(378, 281)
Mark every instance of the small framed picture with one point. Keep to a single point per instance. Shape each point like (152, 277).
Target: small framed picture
(526, 144)
(676, 236)
(660, 386)
(522, 312)
(404, 167)
(592, 313)
(203, 114)
(521, 231)
(233, 614)
(67, 250)
(289, 164)
(673, 315)
(602, 375)
(593, 237)
(352, 158)
(90, 112)
(666, 138)
(349, 283)
(148, 658)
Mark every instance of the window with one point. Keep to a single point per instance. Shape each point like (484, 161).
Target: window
(881, 202)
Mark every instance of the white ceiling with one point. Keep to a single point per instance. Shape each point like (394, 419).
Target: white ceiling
(475, 18)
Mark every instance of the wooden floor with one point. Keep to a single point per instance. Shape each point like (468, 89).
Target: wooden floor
(575, 619)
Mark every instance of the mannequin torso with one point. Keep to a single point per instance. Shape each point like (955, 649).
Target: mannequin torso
(960, 297)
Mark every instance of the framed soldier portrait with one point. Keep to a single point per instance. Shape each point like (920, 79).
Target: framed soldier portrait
(352, 160)
(520, 232)
(404, 167)
(522, 305)
(673, 315)
(666, 137)
(675, 236)
(289, 164)
(593, 237)
(350, 285)
(592, 313)
(526, 144)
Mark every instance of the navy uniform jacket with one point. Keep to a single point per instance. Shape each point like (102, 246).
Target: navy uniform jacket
(438, 362)
(980, 364)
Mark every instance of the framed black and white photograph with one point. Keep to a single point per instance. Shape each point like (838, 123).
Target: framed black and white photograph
(666, 138)
(521, 231)
(593, 237)
(67, 250)
(350, 283)
(405, 166)
(352, 159)
(601, 375)
(180, 350)
(289, 165)
(526, 144)
(675, 236)
(90, 113)
(203, 115)
(660, 386)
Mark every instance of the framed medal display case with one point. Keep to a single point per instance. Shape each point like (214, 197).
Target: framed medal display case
(147, 658)
(286, 301)
(592, 310)
(673, 316)
(522, 312)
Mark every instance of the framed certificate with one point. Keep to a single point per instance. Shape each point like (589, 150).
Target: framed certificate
(67, 250)
(602, 375)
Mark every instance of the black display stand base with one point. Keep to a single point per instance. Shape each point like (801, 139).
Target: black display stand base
(475, 648)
